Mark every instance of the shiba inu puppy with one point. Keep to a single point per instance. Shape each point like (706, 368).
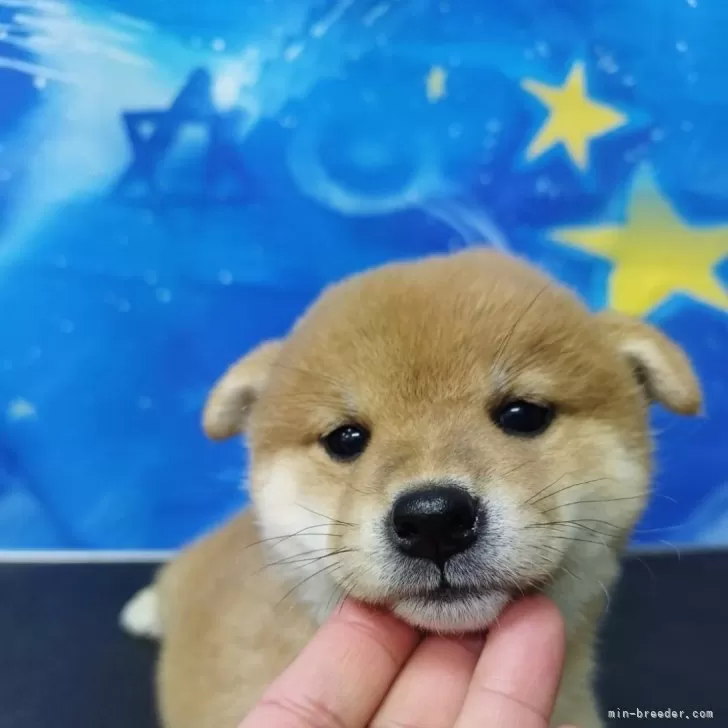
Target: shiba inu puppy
(436, 438)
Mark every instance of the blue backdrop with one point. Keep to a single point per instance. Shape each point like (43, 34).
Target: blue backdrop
(178, 180)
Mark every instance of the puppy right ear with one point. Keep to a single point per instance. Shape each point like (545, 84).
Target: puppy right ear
(660, 365)
(228, 406)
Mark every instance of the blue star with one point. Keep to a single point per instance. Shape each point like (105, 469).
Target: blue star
(153, 134)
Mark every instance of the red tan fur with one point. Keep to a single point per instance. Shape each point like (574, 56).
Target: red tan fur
(421, 353)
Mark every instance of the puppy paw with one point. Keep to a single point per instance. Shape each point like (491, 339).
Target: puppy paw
(141, 615)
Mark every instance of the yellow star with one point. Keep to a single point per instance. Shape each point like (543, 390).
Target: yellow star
(655, 254)
(574, 119)
(436, 84)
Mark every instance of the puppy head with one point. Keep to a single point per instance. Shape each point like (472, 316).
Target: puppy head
(441, 436)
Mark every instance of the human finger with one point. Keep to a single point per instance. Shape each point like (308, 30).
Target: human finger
(518, 674)
(341, 676)
(430, 690)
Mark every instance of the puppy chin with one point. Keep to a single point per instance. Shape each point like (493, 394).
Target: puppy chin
(469, 614)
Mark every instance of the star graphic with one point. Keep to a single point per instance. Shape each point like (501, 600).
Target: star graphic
(436, 84)
(574, 119)
(20, 409)
(655, 254)
(153, 134)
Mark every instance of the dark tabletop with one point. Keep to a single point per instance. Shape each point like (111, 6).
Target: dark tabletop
(65, 664)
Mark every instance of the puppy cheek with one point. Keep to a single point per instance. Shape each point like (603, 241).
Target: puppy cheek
(620, 489)
(371, 560)
(279, 498)
(609, 493)
(505, 542)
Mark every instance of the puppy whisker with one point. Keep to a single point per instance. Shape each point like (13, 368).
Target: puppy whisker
(518, 467)
(545, 488)
(673, 546)
(503, 346)
(565, 488)
(579, 540)
(345, 587)
(596, 500)
(302, 564)
(287, 536)
(570, 573)
(303, 558)
(335, 589)
(645, 565)
(606, 594)
(549, 547)
(320, 571)
(597, 520)
(330, 519)
(566, 524)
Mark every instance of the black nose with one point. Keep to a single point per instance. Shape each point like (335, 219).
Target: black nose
(435, 523)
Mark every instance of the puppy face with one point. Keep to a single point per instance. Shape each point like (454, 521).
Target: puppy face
(443, 436)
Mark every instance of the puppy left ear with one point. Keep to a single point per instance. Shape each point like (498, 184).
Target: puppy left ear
(228, 407)
(660, 365)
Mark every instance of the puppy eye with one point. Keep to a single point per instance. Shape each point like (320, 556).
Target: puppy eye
(346, 442)
(519, 417)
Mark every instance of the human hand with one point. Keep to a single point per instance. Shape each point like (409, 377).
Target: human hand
(365, 669)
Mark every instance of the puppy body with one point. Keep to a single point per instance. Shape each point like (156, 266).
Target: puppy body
(226, 641)
(227, 635)
(431, 361)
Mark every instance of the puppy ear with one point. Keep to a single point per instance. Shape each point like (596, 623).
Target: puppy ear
(228, 406)
(659, 364)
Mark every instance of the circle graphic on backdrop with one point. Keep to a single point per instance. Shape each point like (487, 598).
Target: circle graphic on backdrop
(359, 165)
